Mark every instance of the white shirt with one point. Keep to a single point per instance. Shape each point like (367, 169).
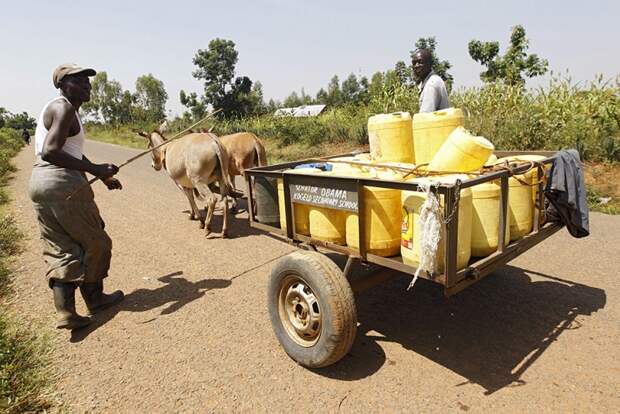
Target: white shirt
(433, 94)
(74, 145)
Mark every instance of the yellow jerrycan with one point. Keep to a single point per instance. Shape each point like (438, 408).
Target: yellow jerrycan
(520, 203)
(382, 217)
(462, 152)
(390, 137)
(430, 131)
(491, 160)
(300, 211)
(343, 169)
(535, 181)
(411, 228)
(485, 218)
(328, 224)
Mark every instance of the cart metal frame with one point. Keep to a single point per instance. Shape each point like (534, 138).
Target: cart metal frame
(452, 279)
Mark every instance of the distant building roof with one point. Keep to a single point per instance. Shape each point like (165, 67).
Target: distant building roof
(284, 112)
(300, 111)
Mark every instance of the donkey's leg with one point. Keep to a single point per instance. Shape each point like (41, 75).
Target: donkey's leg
(189, 196)
(204, 190)
(225, 200)
(211, 202)
(234, 199)
(193, 208)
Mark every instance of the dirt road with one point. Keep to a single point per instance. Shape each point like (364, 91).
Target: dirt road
(193, 334)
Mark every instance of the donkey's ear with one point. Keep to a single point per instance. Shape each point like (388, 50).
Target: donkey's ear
(143, 134)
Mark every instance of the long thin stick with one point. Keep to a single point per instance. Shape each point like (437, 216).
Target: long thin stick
(135, 157)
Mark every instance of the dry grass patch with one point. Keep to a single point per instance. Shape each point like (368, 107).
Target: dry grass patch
(603, 187)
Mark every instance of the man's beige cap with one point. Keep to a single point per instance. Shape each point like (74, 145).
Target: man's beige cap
(70, 69)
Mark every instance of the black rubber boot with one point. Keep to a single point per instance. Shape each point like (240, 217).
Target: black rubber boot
(64, 301)
(96, 300)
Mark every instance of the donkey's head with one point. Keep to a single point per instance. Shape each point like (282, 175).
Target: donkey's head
(157, 156)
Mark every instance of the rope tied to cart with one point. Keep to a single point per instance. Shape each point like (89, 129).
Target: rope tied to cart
(430, 220)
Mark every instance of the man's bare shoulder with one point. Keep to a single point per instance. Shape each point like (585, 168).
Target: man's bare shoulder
(59, 111)
(60, 107)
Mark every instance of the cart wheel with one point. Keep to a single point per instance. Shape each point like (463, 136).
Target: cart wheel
(312, 309)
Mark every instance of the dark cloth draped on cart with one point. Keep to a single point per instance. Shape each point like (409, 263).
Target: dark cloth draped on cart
(566, 193)
(76, 247)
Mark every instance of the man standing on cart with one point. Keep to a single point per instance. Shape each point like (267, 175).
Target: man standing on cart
(433, 92)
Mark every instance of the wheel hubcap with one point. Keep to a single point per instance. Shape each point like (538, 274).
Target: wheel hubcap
(300, 311)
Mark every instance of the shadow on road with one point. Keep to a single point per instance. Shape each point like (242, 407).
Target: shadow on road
(238, 224)
(176, 293)
(490, 334)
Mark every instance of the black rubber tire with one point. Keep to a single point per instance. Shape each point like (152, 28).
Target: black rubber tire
(336, 303)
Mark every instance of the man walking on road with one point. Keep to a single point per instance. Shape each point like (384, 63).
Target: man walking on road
(77, 249)
(433, 92)
(26, 136)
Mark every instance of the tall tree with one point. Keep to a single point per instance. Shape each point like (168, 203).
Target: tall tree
(272, 106)
(258, 103)
(305, 98)
(440, 67)
(403, 72)
(514, 66)
(292, 101)
(124, 113)
(106, 100)
(196, 105)
(238, 100)
(364, 95)
(3, 114)
(216, 66)
(376, 84)
(321, 97)
(350, 89)
(151, 98)
(334, 95)
(19, 121)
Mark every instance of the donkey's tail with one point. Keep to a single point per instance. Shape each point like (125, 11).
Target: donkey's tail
(259, 148)
(222, 157)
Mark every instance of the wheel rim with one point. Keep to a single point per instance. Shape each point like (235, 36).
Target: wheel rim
(299, 311)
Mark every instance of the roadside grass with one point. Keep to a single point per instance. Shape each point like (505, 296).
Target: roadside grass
(26, 373)
(122, 135)
(277, 153)
(603, 187)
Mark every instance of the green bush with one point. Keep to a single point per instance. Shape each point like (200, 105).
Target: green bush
(10, 144)
(9, 237)
(25, 376)
(563, 115)
(335, 125)
(24, 368)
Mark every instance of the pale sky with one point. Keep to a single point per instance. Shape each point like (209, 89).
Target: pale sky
(286, 44)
